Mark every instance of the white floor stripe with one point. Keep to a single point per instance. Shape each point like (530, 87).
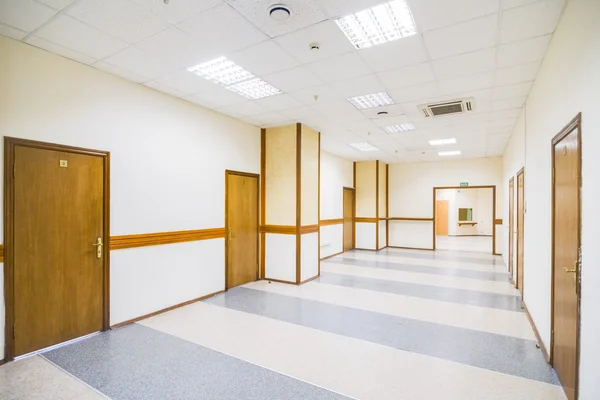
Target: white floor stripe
(464, 254)
(349, 366)
(503, 322)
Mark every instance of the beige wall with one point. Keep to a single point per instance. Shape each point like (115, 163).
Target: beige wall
(366, 189)
(310, 176)
(280, 174)
(382, 190)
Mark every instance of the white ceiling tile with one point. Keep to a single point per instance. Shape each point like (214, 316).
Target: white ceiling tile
(141, 63)
(60, 50)
(190, 83)
(407, 76)
(272, 119)
(362, 85)
(25, 15)
(331, 108)
(506, 4)
(293, 79)
(80, 37)
(299, 113)
(340, 8)
(56, 4)
(219, 96)
(264, 58)
(323, 94)
(221, 28)
(196, 100)
(304, 13)
(119, 18)
(507, 104)
(373, 113)
(522, 52)
(410, 93)
(435, 14)
(178, 47)
(111, 69)
(331, 41)
(177, 11)
(246, 109)
(462, 38)
(394, 120)
(339, 68)
(531, 20)
(11, 32)
(399, 53)
(225, 111)
(465, 64)
(163, 88)
(252, 121)
(514, 90)
(467, 83)
(279, 102)
(517, 74)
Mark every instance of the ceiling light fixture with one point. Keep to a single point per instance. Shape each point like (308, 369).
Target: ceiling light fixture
(377, 25)
(399, 128)
(441, 142)
(254, 89)
(371, 100)
(363, 146)
(449, 153)
(280, 12)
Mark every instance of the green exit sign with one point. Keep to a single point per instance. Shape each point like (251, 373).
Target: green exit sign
(464, 184)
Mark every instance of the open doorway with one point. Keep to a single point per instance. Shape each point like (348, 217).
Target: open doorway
(464, 218)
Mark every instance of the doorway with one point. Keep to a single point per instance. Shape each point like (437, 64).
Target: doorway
(566, 255)
(56, 237)
(242, 228)
(441, 219)
(520, 229)
(349, 203)
(511, 223)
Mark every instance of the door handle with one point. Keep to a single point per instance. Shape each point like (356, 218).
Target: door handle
(575, 272)
(98, 245)
(229, 234)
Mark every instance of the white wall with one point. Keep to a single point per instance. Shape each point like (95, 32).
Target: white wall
(568, 83)
(168, 159)
(336, 173)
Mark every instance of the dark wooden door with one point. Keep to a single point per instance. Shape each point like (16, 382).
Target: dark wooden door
(520, 230)
(348, 219)
(511, 223)
(566, 260)
(242, 228)
(58, 272)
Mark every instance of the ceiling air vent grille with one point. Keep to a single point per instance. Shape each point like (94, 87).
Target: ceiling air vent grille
(448, 107)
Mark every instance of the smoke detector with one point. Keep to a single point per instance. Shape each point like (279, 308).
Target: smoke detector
(314, 47)
(280, 12)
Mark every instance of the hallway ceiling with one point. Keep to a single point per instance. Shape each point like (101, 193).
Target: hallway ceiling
(489, 50)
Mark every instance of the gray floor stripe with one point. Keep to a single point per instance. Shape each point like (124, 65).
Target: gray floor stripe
(483, 299)
(494, 352)
(436, 255)
(139, 363)
(423, 269)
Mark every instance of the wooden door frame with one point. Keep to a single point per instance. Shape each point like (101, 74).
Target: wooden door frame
(511, 222)
(571, 126)
(493, 187)
(519, 282)
(10, 143)
(258, 207)
(353, 216)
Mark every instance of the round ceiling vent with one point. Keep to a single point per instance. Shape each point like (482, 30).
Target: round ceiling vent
(382, 113)
(280, 12)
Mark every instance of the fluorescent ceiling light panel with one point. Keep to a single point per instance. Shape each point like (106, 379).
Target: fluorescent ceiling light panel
(221, 71)
(379, 24)
(399, 128)
(441, 142)
(371, 100)
(449, 153)
(254, 89)
(363, 146)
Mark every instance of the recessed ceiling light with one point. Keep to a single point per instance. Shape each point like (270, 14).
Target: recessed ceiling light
(254, 89)
(221, 71)
(449, 153)
(440, 142)
(363, 146)
(371, 100)
(379, 24)
(399, 128)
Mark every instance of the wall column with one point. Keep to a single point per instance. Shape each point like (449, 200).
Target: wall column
(371, 204)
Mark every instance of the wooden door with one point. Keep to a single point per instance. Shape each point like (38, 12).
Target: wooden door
(566, 260)
(348, 219)
(441, 217)
(511, 219)
(520, 230)
(241, 219)
(58, 270)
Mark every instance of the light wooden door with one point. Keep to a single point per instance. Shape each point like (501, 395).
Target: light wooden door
(511, 224)
(566, 260)
(520, 230)
(348, 219)
(242, 228)
(58, 272)
(441, 217)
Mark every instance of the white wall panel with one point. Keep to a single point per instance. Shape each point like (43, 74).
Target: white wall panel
(382, 231)
(365, 235)
(417, 234)
(332, 240)
(280, 257)
(309, 260)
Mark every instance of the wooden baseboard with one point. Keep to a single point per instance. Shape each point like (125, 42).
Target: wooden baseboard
(331, 256)
(537, 334)
(279, 281)
(164, 310)
(309, 279)
(409, 248)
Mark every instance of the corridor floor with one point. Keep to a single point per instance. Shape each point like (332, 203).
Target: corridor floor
(397, 324)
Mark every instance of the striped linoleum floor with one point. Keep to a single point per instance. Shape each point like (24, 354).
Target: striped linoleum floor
(397, 324)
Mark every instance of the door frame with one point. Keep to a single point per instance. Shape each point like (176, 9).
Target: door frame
(353, 216)
(511, 223)
(10, 143)
(435, 221)
(520, 268)
(249, 175)
(493, 187)
(571, 126)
